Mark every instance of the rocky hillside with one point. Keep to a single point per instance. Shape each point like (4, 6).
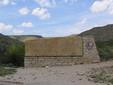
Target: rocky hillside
(25, 37)
(6, 41)
(104, 33)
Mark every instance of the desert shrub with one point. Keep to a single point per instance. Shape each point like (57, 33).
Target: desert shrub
(105, 50)
(6, 71)
(2, 53)
(15, 55)
(101, 75)
(11, 51)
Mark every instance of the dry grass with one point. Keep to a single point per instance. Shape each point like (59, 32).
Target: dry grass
(102, 75)
(6, 71)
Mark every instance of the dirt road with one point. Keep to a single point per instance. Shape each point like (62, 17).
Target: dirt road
(61, 75)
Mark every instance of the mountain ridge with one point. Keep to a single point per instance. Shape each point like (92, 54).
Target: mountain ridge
(24, 38)
(102, 33)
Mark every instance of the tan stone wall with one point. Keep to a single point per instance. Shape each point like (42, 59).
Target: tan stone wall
(90, 51)
(90, 55)
(61, 46)
(51, 61)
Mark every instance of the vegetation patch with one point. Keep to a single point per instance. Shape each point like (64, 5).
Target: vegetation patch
(12, 55)
(101, 75)
(12, 52)
(6, 71)
(105, 50)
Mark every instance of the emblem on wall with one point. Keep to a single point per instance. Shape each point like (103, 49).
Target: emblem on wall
(89, 45)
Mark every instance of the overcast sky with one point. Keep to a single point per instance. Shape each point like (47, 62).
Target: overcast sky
(53, 17)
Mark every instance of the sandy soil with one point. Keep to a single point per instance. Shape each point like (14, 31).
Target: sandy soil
(61, 75)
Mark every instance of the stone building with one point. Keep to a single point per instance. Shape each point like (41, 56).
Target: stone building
(60, 51)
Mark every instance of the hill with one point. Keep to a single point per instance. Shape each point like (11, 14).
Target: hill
(7, 40)
(25, 37)
(10, 50)
(104, 33)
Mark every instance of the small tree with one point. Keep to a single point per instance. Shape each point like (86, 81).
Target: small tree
(2, 53)
(15, 54)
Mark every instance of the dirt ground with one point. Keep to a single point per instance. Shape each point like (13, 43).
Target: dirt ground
(59, 75)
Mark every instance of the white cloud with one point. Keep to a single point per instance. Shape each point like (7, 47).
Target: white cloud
(110, 10)
(7, 2)
(4, 2)
(18, 31)
(5, 27)
(75, 28)
(53, 3)
(13, 3)
(45, 3)
(42, 13)
(24, 11)
(27, 24)
(100, 5)
(70, 1)
(79, 27)
(83, 21)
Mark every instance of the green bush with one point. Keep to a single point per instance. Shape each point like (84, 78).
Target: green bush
(105, 50)
(13, 55)
(11, 51)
